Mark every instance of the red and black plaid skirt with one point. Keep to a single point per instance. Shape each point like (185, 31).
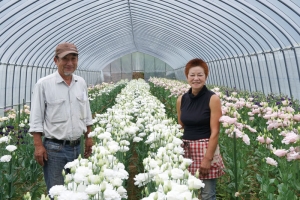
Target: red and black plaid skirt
(195, 150)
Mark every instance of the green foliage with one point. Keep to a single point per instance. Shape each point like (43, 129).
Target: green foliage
(22, 173)
(165, 97)
(100, 101)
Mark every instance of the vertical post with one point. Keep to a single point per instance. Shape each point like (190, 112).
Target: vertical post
(235, 164)
(82, 146)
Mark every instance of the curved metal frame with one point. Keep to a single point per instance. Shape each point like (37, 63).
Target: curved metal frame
(172, 31)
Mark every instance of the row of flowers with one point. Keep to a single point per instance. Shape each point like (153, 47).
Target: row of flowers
(98, 90)
(102, 96)
(269, 132)
(137, 118)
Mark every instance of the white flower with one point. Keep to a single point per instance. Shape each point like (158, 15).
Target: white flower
(81, 187)
(120, 166)
(109, 173)
(5, 139)
(177, 173)
(155, 171)
(68, 178)
(111, 158)
(187, 161)
(236, 194)
(177, 141)
(84, 170)
(159, 195)
(142, 134)
(178, 150)
(124, 149)
(113, 146)
(179, 192)
(22, 125)
(72, 164)
(92, 134)
(105, 135)
(112, 194)
(94, 179)
(122, 174)
(141, 179)
(137, 139)
(116, 182)
(78, 178)
(124, 142)
(5, 158)
(103, 186)
(11, 148)
(108, 130)
(92, 189)
(67, 195)
(122, 192)
(56, 190)
(195, 183)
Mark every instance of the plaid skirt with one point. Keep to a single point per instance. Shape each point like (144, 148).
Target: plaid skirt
(195, 150)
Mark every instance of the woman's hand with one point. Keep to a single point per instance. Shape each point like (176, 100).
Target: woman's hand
(205, 166)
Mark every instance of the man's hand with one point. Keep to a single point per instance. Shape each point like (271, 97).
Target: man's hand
(88, 147)
(40, 154)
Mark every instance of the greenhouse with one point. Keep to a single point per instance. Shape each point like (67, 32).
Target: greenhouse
(133, 56)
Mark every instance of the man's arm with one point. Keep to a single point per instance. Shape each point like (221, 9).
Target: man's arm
(36, 123)
(40, 153)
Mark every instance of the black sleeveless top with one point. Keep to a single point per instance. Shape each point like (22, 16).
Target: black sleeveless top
(195, 114)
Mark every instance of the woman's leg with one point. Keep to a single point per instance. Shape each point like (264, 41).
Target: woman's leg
(209, 191)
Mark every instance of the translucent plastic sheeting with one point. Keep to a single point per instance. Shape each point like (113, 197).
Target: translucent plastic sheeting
(173, 31)
(252, 45)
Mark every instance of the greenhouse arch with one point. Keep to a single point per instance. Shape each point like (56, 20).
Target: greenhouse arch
(134, 116)
(249, 45)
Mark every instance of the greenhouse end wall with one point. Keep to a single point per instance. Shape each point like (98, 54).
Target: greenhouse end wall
(122, 68)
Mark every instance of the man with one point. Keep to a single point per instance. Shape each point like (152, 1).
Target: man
(60, 111)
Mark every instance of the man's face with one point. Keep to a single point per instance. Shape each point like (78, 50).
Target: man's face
(67, 64)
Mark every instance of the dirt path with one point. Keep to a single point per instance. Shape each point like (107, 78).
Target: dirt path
(132, 190)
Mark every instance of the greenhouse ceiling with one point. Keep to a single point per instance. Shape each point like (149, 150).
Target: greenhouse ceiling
(171, 30)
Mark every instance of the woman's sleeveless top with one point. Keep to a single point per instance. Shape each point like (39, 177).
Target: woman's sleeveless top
(195, 114)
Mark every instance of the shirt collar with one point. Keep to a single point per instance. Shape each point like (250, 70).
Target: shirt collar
(200, 93)
(59, 79)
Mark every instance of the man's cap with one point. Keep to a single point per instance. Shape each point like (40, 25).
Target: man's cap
(64, 49)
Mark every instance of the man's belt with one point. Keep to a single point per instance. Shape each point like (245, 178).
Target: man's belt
(64, 142)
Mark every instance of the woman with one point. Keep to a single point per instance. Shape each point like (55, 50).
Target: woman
(199, 111)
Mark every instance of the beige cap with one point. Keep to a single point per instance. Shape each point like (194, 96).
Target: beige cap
(64, 49)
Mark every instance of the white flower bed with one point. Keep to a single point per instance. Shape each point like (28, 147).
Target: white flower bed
(137, 117)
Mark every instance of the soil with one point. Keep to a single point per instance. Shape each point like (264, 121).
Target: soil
(133, 191)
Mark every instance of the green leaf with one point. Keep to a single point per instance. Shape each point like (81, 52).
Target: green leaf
(270, 196)
(258, 177)
(271, 181)
(9, 177)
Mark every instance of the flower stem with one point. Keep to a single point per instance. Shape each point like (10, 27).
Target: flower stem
(10, 184)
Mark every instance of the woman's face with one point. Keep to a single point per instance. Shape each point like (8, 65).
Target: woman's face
(196, 77)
